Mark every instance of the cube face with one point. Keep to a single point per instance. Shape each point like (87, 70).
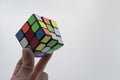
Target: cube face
(41, 35)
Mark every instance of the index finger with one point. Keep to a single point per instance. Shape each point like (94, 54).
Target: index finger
(40, 66)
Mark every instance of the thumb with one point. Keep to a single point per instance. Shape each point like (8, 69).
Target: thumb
(27, 63)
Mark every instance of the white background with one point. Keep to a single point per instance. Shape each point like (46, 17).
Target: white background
(90, 30)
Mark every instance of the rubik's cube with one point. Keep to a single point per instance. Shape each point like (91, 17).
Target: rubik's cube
(41, 35)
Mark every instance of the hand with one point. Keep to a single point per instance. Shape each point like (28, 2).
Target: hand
(25, 69)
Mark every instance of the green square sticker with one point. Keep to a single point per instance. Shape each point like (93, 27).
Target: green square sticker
(57, 46)
(35, 27)
(31, 20)
(50, 28)
(52, 43)
(50, 51)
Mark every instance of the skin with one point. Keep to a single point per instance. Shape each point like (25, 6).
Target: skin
(25, 69)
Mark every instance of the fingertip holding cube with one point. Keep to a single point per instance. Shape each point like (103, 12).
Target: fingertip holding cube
(41, 35)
